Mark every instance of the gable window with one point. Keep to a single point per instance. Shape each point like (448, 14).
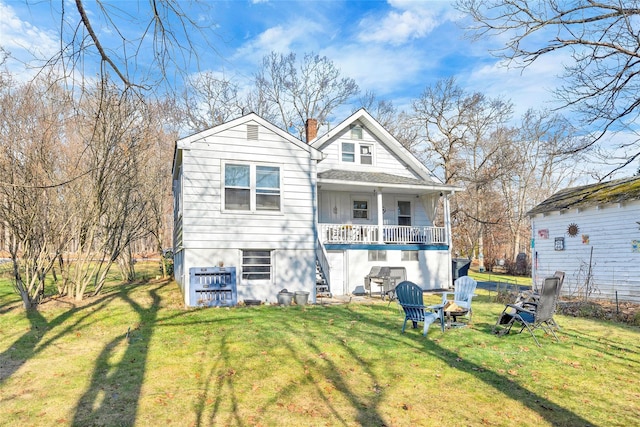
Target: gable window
(252, 187)
(357, 153)
(348, 152)
(356, 132)
(256, 264)
(366, 154)
(360, 209)
(404, 213)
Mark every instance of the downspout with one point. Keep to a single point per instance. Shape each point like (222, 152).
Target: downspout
(380, 216)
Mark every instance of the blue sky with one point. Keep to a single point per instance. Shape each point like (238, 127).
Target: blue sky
(393, 48)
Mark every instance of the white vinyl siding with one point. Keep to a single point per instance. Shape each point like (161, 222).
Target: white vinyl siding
(381, 158)
(603, 246)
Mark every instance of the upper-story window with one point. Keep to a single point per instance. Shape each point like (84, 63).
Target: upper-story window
(348, 152)
(358, 153)
(356, 132)
(252, 187)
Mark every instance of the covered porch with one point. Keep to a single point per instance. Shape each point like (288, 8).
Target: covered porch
(398, 234)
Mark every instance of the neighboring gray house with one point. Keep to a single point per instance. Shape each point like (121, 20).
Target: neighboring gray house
(592, 233)
(251, 196)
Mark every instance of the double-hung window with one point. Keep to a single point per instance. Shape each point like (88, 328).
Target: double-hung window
(252, 187)
(268, 188)
(357, 153)
(348, 152)
(360, 209)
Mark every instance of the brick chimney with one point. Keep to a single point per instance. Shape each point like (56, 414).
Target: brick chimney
(311, 129)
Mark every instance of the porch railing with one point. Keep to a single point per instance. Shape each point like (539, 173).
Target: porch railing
(355, 233)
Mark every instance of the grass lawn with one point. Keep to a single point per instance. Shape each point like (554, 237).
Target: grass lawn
(135, 356)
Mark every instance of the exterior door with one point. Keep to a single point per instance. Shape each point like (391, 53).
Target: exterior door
(336, 261)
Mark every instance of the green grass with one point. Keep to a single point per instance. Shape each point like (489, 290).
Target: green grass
(314, 366)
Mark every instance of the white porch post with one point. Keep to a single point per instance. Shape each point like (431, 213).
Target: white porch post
(447, 219)
(380, 216)
(447, 230)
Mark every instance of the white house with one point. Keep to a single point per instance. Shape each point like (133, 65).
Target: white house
(592, 233)
(249, 196)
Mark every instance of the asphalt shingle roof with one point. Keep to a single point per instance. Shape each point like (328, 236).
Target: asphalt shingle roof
(371, 177)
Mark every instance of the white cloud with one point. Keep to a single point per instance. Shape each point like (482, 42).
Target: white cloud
(24, 41)
(411, 20)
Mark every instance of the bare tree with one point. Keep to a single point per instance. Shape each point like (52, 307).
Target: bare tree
(109, 201)
(310, 89)
(538, 166)
(32, 208)
(601, 37)
(160, 31)
(209, 100)
(440, 117)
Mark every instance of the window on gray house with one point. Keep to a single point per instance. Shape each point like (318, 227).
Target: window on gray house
(366, 154)
(409, 255)
(375, 255)
(404, 213)
(267, 188)
(256, 264)
(348, 152)
(356, 132)
(360, 209)
(237, 187)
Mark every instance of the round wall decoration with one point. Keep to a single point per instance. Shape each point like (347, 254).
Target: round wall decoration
(573, 229)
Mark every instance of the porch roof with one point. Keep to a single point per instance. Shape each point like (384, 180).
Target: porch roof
(379, 179)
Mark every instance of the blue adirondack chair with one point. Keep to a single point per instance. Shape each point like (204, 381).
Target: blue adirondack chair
(410, 299)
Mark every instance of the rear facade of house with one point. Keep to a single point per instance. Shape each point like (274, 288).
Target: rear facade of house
(284, 214)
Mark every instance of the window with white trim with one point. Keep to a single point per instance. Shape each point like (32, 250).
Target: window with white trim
(359, 153)
(360, 209)
(356, 132)
(256, 264)
(409, 255)
(376, 255)
(252, 187)
(348, 152)
(366, 154)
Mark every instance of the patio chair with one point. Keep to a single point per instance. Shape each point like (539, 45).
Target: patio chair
(410, 299)
(533, 315)
(535, 295)
(464, 289)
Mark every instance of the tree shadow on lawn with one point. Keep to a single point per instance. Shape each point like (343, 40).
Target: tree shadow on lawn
(548, 410)
(113, 394)
(29, 344)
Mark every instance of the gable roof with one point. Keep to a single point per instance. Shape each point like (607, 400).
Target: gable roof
(384, 137)
(251, 117)
(183, 142)
(616, 191)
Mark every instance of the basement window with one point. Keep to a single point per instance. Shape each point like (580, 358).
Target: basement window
(256, 264)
